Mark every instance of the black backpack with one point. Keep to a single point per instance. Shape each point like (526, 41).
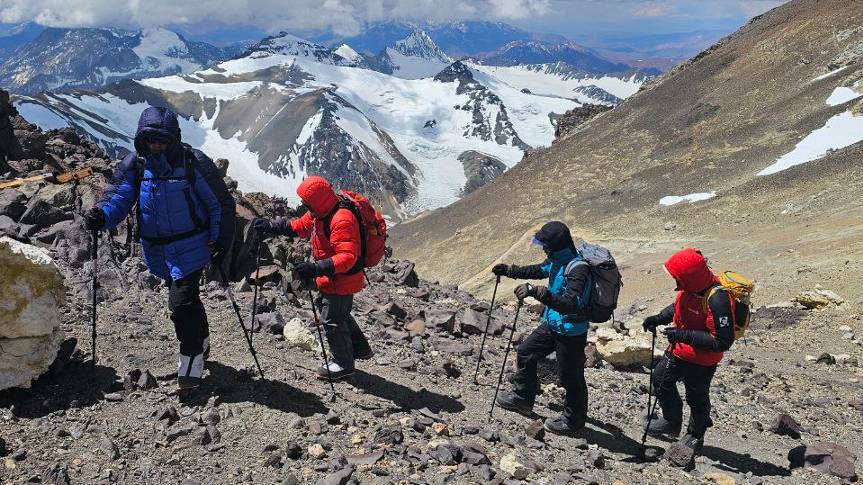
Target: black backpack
(603, 287)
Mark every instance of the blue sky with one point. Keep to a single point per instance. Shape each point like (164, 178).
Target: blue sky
(572, 18)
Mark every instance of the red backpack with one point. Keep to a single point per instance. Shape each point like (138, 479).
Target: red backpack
(373, 229)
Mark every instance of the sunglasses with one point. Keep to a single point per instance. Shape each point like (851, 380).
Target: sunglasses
(153, 141)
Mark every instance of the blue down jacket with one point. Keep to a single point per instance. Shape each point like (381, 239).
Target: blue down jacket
(178, 215)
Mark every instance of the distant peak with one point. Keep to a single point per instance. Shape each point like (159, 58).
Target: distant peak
(419, 44)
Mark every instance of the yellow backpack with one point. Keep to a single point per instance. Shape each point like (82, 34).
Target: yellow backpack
(741, 289)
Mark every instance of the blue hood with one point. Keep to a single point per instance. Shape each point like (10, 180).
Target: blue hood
(159, 122)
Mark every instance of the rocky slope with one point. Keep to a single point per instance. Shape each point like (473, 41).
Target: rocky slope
(413, 413)
(779, 90)
(93, 57)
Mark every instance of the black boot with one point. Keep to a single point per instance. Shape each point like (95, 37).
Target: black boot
(660, 427)
(561, 425)
(336, 372)
(511, 402)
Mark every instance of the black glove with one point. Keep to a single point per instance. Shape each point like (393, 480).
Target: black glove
(94, 219)
(650, 323)
(263, 225)
(217, 253)
(500, 270)
(306, 270)
(675, 335)
(524, 290)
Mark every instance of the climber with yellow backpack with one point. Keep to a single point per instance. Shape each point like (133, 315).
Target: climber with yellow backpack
(711, 312)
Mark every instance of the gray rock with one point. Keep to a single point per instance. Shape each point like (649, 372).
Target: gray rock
(293, 450)
(784, 425)
(340, 477)
(109, 447)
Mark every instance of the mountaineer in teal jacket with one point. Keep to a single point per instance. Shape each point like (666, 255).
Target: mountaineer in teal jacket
(562, 329)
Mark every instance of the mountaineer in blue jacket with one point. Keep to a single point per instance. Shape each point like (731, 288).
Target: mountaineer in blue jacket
(562, 329)
(185, 217)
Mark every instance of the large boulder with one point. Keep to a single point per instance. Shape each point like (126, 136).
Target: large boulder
(625, 352)
(825, 457)
(31, 294)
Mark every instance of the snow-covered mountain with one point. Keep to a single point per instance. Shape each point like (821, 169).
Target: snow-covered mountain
(565, 81)
(91, 57)
(14, 36)
(414, 57)
(465, 38)
(290, 108)
(535, 52)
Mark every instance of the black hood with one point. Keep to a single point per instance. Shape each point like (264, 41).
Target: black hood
(555, 236)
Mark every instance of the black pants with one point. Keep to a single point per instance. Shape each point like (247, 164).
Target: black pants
(345, 337)
(570, 361)
(187, 313)
(696, 381)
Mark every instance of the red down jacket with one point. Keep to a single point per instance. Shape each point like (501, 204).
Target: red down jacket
(689, 268)
(343, 245)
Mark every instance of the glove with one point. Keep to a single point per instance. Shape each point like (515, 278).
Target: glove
(217, 253)
(650, 323)
(94, 219)
(500, 270)
(541, 293)
(263, 225)
(306, 270)
(524, 290)
(675, 335)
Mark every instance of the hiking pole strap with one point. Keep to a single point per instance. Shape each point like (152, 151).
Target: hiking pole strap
(95, 249)
(505, 355)
(487, 324)
(240, 320)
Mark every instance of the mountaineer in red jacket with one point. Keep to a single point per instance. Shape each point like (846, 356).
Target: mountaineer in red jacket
(699, 336)
(337, 269)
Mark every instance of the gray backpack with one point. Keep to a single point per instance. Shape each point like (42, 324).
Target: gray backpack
(603, 286)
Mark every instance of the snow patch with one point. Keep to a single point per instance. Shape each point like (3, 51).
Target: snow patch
(840, 131)
(842, 95)
(160, 49)
(830, 74)
(696, 197)
(348, 53)
(41, 116)
(543, 80)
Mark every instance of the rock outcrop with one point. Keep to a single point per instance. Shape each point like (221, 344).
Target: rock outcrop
(31, 292)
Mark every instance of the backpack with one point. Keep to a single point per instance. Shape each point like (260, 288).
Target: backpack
(603, 286)
(373, 229)
(740, 288)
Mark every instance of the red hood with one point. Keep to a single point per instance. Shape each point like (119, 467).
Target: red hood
(689, 268)
(318, 195)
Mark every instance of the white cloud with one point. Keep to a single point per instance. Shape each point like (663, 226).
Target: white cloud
(342, 16)
(652, 10)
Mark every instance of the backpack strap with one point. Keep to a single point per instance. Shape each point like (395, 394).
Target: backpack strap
(350, 206)
(588, 285)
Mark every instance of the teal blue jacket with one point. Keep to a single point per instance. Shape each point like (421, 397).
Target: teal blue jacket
(554, 268)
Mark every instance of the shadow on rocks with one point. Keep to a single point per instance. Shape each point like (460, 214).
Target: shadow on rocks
(232, 385)
(611, 438)
(735, 462)
(403, 396)
(76, 385)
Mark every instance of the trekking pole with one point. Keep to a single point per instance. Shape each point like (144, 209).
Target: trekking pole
(505, 355)
(95, 241)
(321, 340)
(652, 409)
(240, 319)
(649, 394)
(257, 284)
(487, 324)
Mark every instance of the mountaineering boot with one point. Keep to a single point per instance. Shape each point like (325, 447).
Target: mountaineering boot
(662, 427)
(189, 371)
(561, 425)
(336, 372)
(364, 354)
(682, 454)
(511, 402)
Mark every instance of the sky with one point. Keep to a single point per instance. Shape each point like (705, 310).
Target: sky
(572, 18)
